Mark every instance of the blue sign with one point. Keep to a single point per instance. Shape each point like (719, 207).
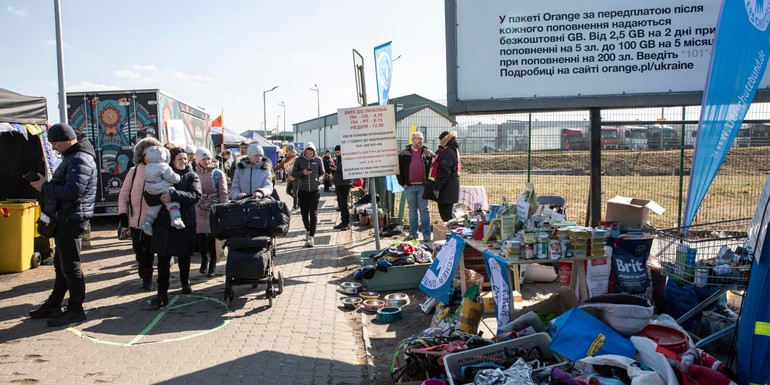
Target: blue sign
(738, 61)
(383, 68)
(498, 271)
(299, 146)
(437, 281)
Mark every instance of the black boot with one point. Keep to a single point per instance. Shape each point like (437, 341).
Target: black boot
(186, 289)
(73, 314)
(204, 264)
(159, 301)
(46, 310)
(147, 283)
(212, 266)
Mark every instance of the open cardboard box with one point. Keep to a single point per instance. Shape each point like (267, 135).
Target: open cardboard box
(631, 212)
(558, 303)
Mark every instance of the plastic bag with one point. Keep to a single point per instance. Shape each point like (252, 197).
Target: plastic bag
(471, 310)
(519, 373)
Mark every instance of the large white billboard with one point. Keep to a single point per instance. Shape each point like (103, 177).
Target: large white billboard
(505, 55)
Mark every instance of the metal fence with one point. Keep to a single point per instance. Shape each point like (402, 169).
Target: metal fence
(646, 153)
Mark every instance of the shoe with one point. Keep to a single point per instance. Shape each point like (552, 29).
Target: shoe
(159, 301)
(147, 284)
(212, 272)
(69, 316)
(186, 289)
(45, 310)
(204, 268)
(177, 224)
(146, 227)
(426, 238)
(339, 226)
(345, 227)
(410, 237)
(310, 241)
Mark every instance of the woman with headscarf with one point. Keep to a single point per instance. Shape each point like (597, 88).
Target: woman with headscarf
(214, 189)
(132, 208)
(443, 184)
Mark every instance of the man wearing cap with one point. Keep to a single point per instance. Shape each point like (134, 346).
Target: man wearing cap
(342, 188)
(309, 171)
(68, 200)
(253, 175)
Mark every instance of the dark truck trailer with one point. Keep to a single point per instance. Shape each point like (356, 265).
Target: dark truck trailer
(115, 120)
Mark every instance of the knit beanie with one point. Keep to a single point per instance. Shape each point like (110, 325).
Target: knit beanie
(61, 132)
(255, 149)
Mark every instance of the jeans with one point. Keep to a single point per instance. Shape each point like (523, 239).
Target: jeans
(308, 206)
(417, 204)
(342, 202)
(164, 272)
(144, 257)
(291, 189)
(66, 262)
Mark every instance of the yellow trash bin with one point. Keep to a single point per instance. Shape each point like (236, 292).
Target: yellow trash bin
(17, 235)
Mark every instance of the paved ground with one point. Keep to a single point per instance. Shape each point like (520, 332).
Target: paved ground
(303, 339)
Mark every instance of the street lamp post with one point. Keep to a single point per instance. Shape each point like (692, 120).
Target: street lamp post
(264, 108)
(282, 104)
(318, 105)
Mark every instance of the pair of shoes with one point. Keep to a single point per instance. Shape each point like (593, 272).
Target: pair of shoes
(186, 289)
(177, 224)
(45, 310)
(147, 284)
(69, 316)
(310, 242)
(146, 227)
(159, 301)
(410, 237)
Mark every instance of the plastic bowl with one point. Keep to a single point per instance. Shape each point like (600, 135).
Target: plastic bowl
(389, 314)
(369, 295)
(373, 304)
(350, 287)
(667, 337)
(351, 302)
(397, 299)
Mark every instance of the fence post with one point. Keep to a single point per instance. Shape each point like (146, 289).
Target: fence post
(681, 171)
(529, 149)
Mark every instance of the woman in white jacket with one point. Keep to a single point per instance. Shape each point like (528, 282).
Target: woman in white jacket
(253, 175)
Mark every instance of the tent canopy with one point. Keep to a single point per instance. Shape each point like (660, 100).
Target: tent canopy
(18, 108)
(231, 137)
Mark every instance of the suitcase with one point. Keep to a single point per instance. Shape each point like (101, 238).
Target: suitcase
(248, 258)
(250, 214)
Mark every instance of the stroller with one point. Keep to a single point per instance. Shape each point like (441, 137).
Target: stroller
(249, 227)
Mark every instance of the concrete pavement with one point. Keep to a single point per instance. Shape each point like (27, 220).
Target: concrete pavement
(303, 339)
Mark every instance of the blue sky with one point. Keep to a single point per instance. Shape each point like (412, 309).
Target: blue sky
(224, 54)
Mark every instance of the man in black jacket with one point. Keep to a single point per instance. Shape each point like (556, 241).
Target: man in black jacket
(342, 187)
(413, 165)
(69, 199)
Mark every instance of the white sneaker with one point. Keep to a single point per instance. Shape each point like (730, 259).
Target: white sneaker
(177, 224)
(310, 241)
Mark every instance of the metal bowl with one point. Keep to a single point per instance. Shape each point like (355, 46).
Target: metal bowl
(374, 304)
(351, 287)
(369, 295)
(351, 302)
(397, 299)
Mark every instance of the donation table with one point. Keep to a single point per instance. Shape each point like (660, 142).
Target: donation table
(578, 280)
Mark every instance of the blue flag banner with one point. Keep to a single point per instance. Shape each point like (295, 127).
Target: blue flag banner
(738, 61)
(437, 281)
(383, 69)
(499, 273)
(391, 184)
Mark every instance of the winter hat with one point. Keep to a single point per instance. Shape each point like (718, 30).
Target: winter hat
(190, 149)
(337, 148)
(443, 134)
(202, 154)
(255, 149)
(61, 132)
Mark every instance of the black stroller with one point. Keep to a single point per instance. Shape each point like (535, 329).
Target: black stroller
(249, 227)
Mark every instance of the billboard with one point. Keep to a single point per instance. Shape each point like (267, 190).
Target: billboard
(506, 56)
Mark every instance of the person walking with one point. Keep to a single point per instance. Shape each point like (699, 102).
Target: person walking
(413, 165)
(68, 200)
(443, 185)
(132, 209)
(167, 240)
(214, 190)
(287, 165)
(328, 162)
(253, 176)
(342, 188)
(309, 171)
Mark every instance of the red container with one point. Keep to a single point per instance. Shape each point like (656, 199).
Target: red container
(667, 337)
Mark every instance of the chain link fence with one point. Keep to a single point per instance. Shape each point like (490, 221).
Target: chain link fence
(646, 153)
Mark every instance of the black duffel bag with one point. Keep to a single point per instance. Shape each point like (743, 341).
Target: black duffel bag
(266, 214)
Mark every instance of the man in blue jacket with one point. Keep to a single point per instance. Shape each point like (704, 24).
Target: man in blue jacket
(68, 200)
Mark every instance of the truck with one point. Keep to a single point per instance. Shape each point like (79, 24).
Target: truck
(573, 139)
(114, 121)
(546, 138)
(660, 137)
(611, 138)
(634, 138)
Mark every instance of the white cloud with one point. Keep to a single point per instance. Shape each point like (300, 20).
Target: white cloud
(191, 80)
(91, 86)
(20, 12)
(126, 74)
(145, 67)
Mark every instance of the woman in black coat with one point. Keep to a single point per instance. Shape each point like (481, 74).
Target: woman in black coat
(168, 241)
(443, 185)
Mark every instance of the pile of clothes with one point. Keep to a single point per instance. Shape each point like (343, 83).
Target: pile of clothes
(399, 254)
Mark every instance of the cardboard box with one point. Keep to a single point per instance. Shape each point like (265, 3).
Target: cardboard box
(440, 231)
(488, 299)
(631, 212)
(558, 303)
